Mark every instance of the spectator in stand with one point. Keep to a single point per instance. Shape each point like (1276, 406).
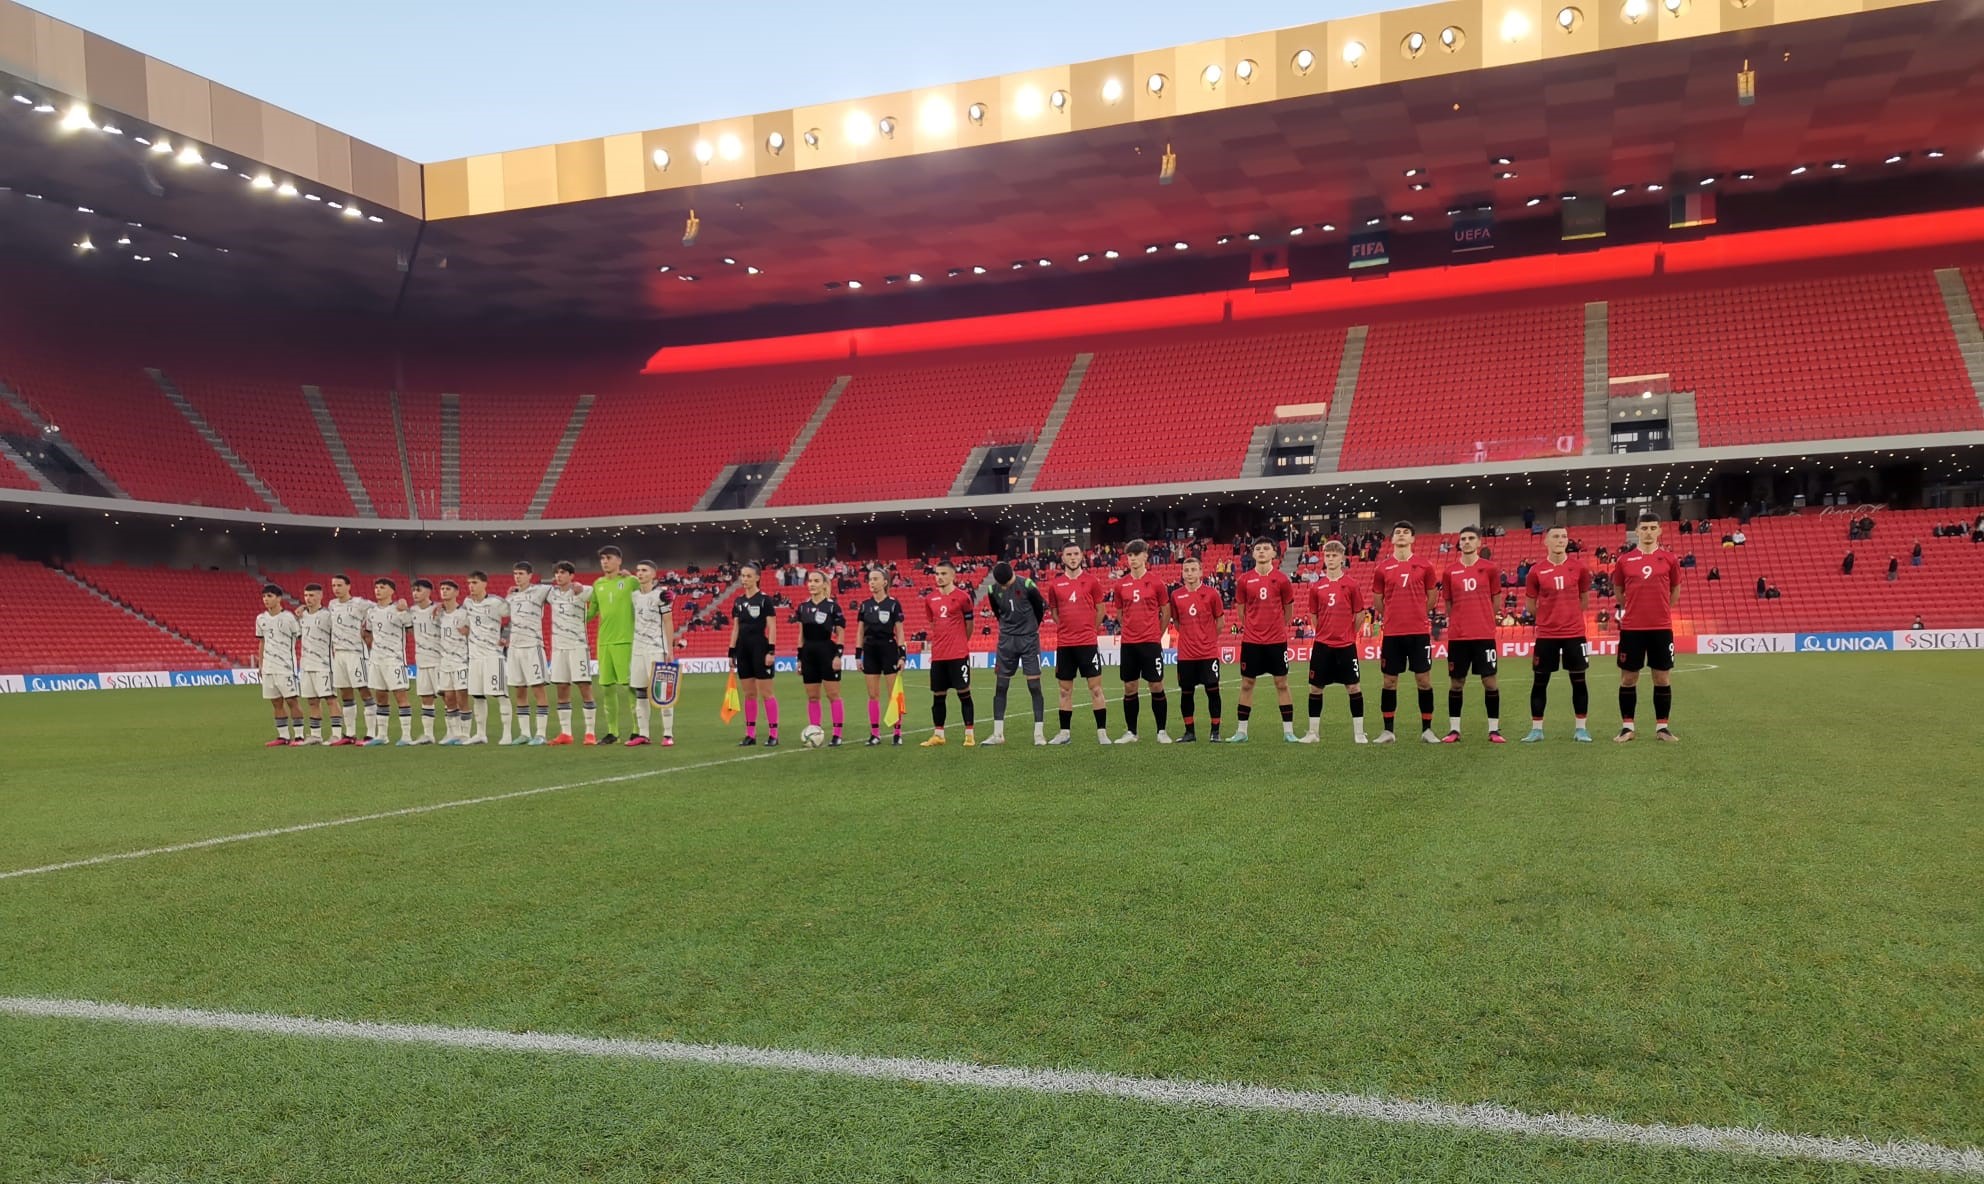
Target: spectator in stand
(1714, 574)
(1762, 586)
(1894, 569)
(1915, 555)
(1846, 564)
(1688, 560)
(1728, 540)
(1771, 593)
(1739, 538)
(1918, 622)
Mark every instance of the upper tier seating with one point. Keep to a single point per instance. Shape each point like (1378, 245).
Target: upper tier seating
(1809, 359)
(1480, 386)
(269, 426)
(1151, 412)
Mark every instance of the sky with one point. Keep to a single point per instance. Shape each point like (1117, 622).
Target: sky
(437, 79)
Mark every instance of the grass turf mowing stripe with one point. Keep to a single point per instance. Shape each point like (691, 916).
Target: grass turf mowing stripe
(1485, 1118)
(404, 812)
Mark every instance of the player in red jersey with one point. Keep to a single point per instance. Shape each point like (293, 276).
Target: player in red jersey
(1337, 608)
(1471, 587)
(949, 610)
(1074, 596)
(1265, 600)
(1196, 611)
(1402, 590)
(1559, 594)
(1649, 581)
(1143, 610)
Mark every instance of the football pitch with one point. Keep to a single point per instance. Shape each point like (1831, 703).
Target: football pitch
(1755, 955)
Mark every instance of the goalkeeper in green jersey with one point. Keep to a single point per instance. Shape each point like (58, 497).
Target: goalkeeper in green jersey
(613, 604)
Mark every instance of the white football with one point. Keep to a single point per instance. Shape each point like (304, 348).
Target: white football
(813, 736)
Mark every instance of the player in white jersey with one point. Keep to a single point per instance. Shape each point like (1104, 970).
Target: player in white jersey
(318, 694)
(451, 661)
(571, 657)
(654, 641)
(348, 656)
(482, 626)
(276, 634)
(426, 657)
(523, 670)
(386, 624)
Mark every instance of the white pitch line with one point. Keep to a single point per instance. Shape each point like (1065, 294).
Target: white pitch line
(1480, 1118)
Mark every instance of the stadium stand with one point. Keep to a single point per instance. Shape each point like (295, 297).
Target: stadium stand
(214, 608)
(269, 427)
(968, 401)
(364, 421)
(1808, 359)
(1154, 411)
(1490, 385)
(420, 420)
(508, 434)
(56, 626)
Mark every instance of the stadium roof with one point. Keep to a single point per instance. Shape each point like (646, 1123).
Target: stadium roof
(1320, 130)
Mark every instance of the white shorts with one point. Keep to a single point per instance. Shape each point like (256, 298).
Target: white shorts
(443, 679)
(524, 667)
(348, 671)
(485, 677)
(279, 684)
(641, 668)
(570, 665)
(317, 684)
(386, 675)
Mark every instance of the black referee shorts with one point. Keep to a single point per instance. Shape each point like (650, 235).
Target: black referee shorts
(881, 657)
(819, 662)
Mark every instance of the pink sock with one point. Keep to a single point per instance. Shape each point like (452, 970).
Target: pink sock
(751, 716)
(874, 715)
(840, 715)
(771, 715)
(813, 712)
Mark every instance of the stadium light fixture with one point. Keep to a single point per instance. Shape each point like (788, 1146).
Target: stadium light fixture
(1800, 170)
(1506, 175)
(1328, 228)
(123, 240)
(1934, 154)
(44, 108)
(1451, 39)
(1253, 236)
(353, 212)
(1373, 221)
(811, 137)
(1211, 76)
(1655, 187)
(775, 143)
(1837, 165)
(1674, 7)
(1180, 245)
(1534, 201)
(854, 285)
(1706, 181)
(1295, 232)
(1027, 104)
(77, 119)
(23, 100)
(1303, 61)
(1112, 253)
(915, 277)
(1414, 44)
(84, 244)
(1058, 100)
(111, 129)
(1156, 83)
(1043, 263)
(978, 269)
(219, 165)
(749, 270)
(729, 146)
(936, 117)
(1515, 26)
(1112, 90)
(336, 205)
(857, 128)
(262, 181)
(1244, 69)
(1405, 217)
(1634, 11)
(1353, 53)
(665, 268)
(975, 113)
(1420, 186)
(1746, 176)
(189, 155)
(705, 151)
(1150, 249)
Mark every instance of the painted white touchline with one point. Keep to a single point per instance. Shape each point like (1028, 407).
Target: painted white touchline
(1481, 1118)
(403, 812)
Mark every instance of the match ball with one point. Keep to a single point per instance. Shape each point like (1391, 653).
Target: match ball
(813, 736)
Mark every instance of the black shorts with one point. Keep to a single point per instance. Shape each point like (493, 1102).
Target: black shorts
(1333, 664)
(1646, 647)
(1197, 672)
(1077, 661)
(819, 662)
(1263, 661)
(1018, 657)
(1142, 660)
(1413, 650)
(754, 659)
(1553, 653)
(1471, 657)
(951, 674)
(880, 657)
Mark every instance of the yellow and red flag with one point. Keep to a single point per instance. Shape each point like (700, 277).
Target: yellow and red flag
(731, 704)
(897, 704)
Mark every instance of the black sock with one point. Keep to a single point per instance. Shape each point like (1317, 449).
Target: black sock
(938, 710)
(1288, 713)
(1629, 701)
(1243, 711)
(999, 700)
(1663, 702)
(1456, 697)
(1067, 720)
(1132, 708)
(1101, 717)
(1187, 704)
(1357, 705)
(1212, 705)
(1580, 695)
(1494, 699)
(1039, 703)
(1426, 707)
(966, 709)
(1539, 694)
(1159, 708)
(1388, 705)
(1315, 705)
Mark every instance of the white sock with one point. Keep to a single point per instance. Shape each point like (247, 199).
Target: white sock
(1453, 723)
(998, 729)
(668, 722)
(282, 727)
(591, 712)
(1315, 725)
(643, 713)
(349, 713)
(1240, 729)
(544, 720)
(1494, 725)
(509, 713)
(1357, 727)
(1288, 728)
(564, 719)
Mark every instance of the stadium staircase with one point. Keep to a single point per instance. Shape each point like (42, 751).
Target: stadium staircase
(559, 455)
(1962, 312)
(1597, 380)
(208, 652)
(799, 442)
(1343, 396)
(451, 456)
(417, 435)
(363, 422)
(1050, 430)
(57, 626)
(28, 415)
(205, 431)
(212, 610)
(19, 473)
(264, 423)
(327, 430)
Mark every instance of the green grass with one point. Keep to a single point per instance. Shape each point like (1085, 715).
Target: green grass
(1773, 923)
